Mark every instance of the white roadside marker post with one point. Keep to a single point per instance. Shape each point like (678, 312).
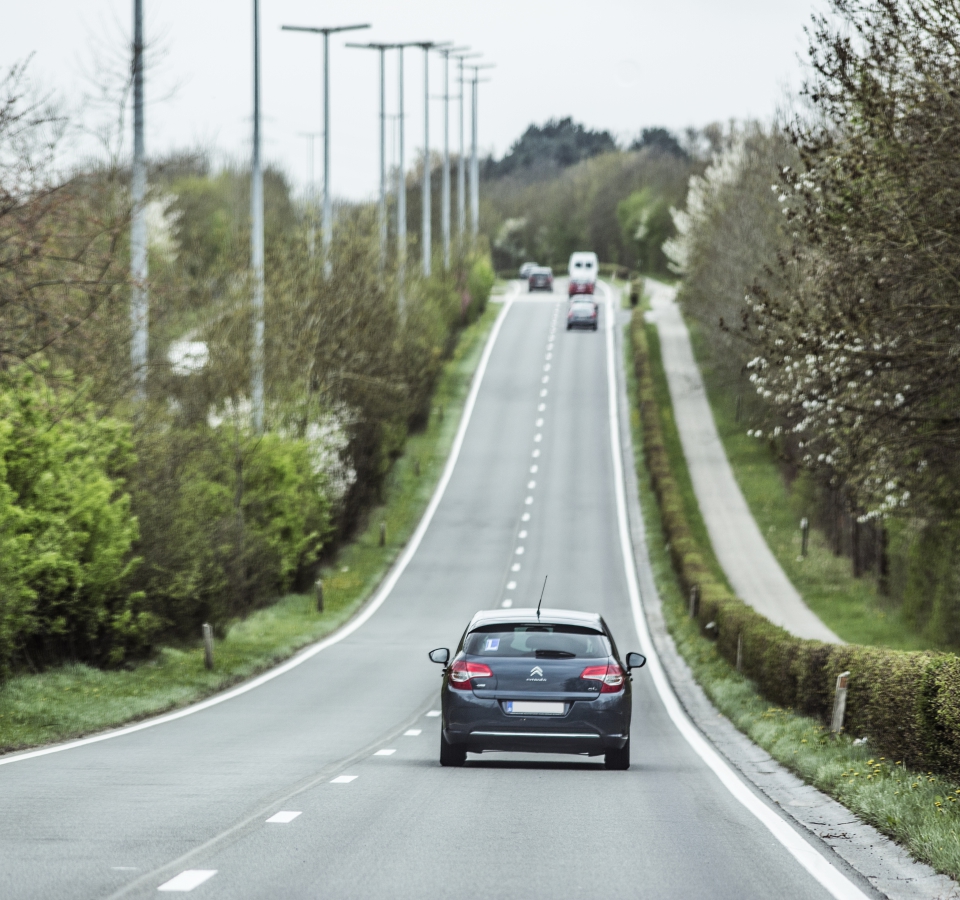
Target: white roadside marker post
(840, 703)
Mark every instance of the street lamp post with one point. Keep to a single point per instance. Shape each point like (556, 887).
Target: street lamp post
(256, 236)
(474, 161)
(425, 237)
(445, 182)
(327, 201)
(461, 159)
(139, 307)
(382, 49)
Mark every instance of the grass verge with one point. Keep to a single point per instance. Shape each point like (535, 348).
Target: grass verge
(851, 607)
(920, 810)
(71, 701)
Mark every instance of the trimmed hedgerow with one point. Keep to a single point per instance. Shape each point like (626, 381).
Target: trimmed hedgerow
(907, 702)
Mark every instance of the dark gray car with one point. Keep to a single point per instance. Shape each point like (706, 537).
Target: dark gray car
(525, 682)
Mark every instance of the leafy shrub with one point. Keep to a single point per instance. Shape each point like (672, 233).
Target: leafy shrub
(908, 703)
(66, 532)
(228, 521)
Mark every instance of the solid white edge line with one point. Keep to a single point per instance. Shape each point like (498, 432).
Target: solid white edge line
(393, 576)
(814, 862)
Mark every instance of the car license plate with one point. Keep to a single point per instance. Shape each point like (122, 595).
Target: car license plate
(534, 708)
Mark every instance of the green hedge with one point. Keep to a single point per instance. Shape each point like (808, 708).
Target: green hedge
(907, 703)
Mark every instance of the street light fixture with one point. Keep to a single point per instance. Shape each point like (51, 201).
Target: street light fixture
(327, 208)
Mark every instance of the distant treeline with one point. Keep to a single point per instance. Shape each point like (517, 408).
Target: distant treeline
(562, 187)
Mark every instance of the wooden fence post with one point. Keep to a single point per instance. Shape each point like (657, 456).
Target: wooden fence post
(840, 703)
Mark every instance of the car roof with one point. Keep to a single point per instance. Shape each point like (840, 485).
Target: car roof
(529, 616)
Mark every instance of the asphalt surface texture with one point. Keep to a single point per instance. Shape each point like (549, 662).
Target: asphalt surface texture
(342, 750)
(746, 558)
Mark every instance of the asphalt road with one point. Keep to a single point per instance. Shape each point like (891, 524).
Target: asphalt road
(124, 816)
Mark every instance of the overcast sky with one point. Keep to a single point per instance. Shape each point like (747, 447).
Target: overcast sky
(612, 64)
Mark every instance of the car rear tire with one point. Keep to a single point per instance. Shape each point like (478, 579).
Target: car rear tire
(618, 760)
(451, 754)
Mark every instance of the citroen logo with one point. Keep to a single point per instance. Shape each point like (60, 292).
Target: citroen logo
(536, 670)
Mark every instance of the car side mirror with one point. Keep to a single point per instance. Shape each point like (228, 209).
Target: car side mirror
(634, 661)
(442, 656)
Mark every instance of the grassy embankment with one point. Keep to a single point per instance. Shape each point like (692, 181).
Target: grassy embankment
(75, 700)
(919, 810)
(851, 607)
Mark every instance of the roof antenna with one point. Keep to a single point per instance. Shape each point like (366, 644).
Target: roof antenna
(541, 596)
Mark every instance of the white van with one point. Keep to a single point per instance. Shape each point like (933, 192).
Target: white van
(583, 273)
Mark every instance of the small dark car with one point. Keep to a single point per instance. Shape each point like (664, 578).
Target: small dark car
(540, 279)
(529, 682)
(582, 314)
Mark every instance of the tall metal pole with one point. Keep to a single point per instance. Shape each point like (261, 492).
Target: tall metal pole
(256, 235)
(401, 190)
(327, 223)
(326, 227)
(139, 306)
(425, 238)
(445, 182)
(383, 157)
(461, 170)
(474, 165)
(382, 48)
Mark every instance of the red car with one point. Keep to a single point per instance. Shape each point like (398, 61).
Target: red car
(579, 287)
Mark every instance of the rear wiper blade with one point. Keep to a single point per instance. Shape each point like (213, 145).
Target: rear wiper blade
(555, 654)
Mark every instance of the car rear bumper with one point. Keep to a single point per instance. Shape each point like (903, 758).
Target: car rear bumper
(581, 323)
(589, 726)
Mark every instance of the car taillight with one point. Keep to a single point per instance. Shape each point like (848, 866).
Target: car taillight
(462, 671)
(611, 676)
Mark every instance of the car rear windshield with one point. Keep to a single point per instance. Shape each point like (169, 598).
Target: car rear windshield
(544, 641)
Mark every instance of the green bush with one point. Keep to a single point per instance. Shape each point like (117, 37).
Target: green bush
(66, 532)
(908, 703)
(228, 521)
(480, 279)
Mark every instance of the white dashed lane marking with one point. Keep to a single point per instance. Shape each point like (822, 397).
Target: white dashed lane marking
(433, 713)
(545, 379)
(187, 880)
(344, 779)
(411, 732)
(515, 567)
(512, 586)
(537, 438)
(539, 423)
(525, 517)
(283, 817)
(546, 367)
(531, 485)
(519, 551)
(536, 453)
(522, 535)
(541, 407)
(543, 393)
(528, 501)
(385, 752)
(507, 603)
(533, 470)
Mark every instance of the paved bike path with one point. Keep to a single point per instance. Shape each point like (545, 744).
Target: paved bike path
(746, 558)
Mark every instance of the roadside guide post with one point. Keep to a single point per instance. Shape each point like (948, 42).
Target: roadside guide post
(207, 646)
(318, 587)
(840, 703)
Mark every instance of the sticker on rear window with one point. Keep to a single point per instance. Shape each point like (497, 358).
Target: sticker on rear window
(491, 644)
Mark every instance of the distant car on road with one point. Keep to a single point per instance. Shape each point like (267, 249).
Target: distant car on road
(536, 682)
(582, 269)
(527, 268)
(582, 314)
(540, 279)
